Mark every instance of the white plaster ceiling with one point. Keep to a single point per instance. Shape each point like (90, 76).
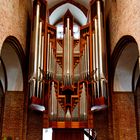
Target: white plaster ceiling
(60, 11)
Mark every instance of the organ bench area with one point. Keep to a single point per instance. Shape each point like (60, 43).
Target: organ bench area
(68, 75)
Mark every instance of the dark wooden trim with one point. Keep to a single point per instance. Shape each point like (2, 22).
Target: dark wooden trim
(61, 20)
(78, 5)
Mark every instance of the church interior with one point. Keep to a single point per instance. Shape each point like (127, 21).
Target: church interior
(69, 70)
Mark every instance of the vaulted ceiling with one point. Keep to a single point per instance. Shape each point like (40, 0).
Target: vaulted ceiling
(78, 8)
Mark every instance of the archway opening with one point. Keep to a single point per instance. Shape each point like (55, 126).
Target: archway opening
(125, 76)
(12, 63)
(12, 83)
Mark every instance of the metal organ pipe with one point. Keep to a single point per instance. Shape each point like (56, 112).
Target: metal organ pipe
(41, 64)
(53, 63)
(67, 55)
(100, 32)
(94, 62)
(42, 53)
(48, 53)
(83, 64)
(87, 55)
(85, 58)
(40, 47)
(50, 58)
(68, 45)
(39, 58)
(35, 44)
(36, 39)
(94, 53)
(71, 57)
(97, 56)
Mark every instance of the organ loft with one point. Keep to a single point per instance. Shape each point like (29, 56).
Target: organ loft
(68, 77)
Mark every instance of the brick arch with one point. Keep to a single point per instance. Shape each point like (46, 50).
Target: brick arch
(12, 44)
(123, 61)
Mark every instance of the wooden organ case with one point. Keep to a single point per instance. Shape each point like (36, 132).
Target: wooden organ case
(68, 75)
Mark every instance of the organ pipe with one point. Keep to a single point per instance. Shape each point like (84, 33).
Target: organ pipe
(39, 49)
(50, 58)
(53, 103)
(42, 53)
(81, 65)
(41, 64)
(94, 52)
(67, 68)
(35, 43)
(36, 39)
(83, 103)
(85, 58)
(97, 55)
(87, 55)
(39, 58)
(100, 32)
(94, 62)
(48, 53)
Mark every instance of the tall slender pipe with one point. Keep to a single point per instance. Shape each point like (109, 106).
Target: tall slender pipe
(71, 55)
(39, 49)
(39, 58)
(68, 47)
(42, 53)
(93, 53)
(48, 53)
(36, 34)
(94, 63)
(36, 39)
(85, 63)
(41, 65)
(88, 54)
(50, 59)
(100, 32)
(97, 56)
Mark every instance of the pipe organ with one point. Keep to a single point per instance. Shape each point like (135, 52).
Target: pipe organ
(67, 75)
(68, 54)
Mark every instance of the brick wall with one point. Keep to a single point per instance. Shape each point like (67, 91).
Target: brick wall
(101, 125)
(124, 20)
(13, 114)
(34, 125)
(13, 15)
(124, 120)
(137, 103)
(1, 111)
